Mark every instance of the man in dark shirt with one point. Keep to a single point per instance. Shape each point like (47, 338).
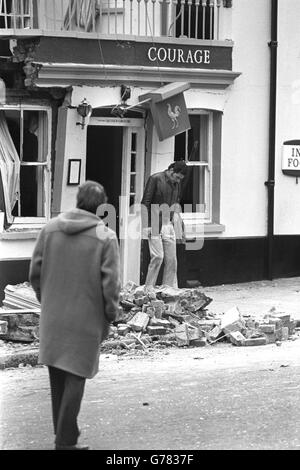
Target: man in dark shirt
(161, 200)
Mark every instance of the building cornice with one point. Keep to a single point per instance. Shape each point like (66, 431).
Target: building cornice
(66, 74)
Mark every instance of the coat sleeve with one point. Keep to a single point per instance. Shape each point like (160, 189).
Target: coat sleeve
(110, 274)
(147, 201)
(36, 265)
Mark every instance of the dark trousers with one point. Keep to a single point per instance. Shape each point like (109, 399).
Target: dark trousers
(66, 394)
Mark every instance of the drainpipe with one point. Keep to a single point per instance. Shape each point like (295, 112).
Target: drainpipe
(273, 44)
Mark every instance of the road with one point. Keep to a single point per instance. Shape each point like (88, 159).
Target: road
(217, 397)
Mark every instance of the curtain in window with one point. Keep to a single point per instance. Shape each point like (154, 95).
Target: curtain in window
(82, 14)
(20, 12)
(9, 171)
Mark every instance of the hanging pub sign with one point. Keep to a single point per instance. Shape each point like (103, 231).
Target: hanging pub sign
(291, 158)
(168, 109)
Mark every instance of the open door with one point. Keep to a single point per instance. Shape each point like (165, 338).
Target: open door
(132, 193)
(115, 158)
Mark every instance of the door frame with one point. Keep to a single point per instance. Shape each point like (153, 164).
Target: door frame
(117, 122)
(130, 256)
(127, 124)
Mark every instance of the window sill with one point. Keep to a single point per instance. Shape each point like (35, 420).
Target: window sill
(213, 228)
(209, 230)
(20, 234)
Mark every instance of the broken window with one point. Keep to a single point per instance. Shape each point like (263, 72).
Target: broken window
(81, 15)
(9, 171)
(195, 147)
(25, 135)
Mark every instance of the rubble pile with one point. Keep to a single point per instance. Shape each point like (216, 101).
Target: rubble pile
(160, 316)
(19, 316)
(20, 296)
(156, 317)
(245, 330)
(164, 316)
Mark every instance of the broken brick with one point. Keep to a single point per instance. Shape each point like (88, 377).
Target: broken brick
(158, 312)
(291, 327)
(267, 328)
(159, 322)
(284, 333)
(139, 322)
(207, 325)
(194, 334)
(255, 341)
(251, 323)
(157, 303)
(198, 342)
(127, 305)
(275, 321)
(271, 338)
(182, 336)
(3, 327)
(156, 330)
(232, 321)
(150, 312)
(20, 326)
(173, 322)
(283, 317)
(215, 333)
(140, 301)
(236, 338)
(123, 329)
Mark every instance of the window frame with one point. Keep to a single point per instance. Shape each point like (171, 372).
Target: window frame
(205, 216)
(36, 221)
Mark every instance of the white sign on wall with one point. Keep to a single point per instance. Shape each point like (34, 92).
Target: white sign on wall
(291, 158)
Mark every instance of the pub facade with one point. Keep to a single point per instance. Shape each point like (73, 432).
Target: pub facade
(94, 89)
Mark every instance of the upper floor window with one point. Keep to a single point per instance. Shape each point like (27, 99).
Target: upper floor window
(17, 14)
(25, 164)
(198, 19)
(195, 19)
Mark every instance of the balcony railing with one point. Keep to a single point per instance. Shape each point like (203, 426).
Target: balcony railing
(196, 19)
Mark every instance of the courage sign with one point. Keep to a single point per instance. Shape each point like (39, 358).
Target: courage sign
(177, 55)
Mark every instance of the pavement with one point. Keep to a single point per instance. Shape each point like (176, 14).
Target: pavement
(252, 298)
(211, 398)
(257, 298)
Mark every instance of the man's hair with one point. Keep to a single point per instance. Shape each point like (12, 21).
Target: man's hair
(90, 196)
(179, 167)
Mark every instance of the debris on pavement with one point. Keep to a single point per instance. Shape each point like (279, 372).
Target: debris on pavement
(156, 317)
(162, 316)
(20, 296)
(21, 313)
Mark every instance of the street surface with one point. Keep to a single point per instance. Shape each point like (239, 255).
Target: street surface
(256, 298)
(216, 397)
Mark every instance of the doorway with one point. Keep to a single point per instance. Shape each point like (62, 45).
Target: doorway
(115, 159)
(104, 161)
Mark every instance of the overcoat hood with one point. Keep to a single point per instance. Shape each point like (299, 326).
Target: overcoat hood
(77, 220)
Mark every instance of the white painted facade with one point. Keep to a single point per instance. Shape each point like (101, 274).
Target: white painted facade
(245, 106)
(245, 126)
(287, 192)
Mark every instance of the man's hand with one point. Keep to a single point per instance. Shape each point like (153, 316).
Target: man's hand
(146, 233)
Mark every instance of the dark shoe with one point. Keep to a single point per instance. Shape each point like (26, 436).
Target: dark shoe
(74, 447)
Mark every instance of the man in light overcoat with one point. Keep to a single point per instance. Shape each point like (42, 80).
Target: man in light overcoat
(75, 272)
